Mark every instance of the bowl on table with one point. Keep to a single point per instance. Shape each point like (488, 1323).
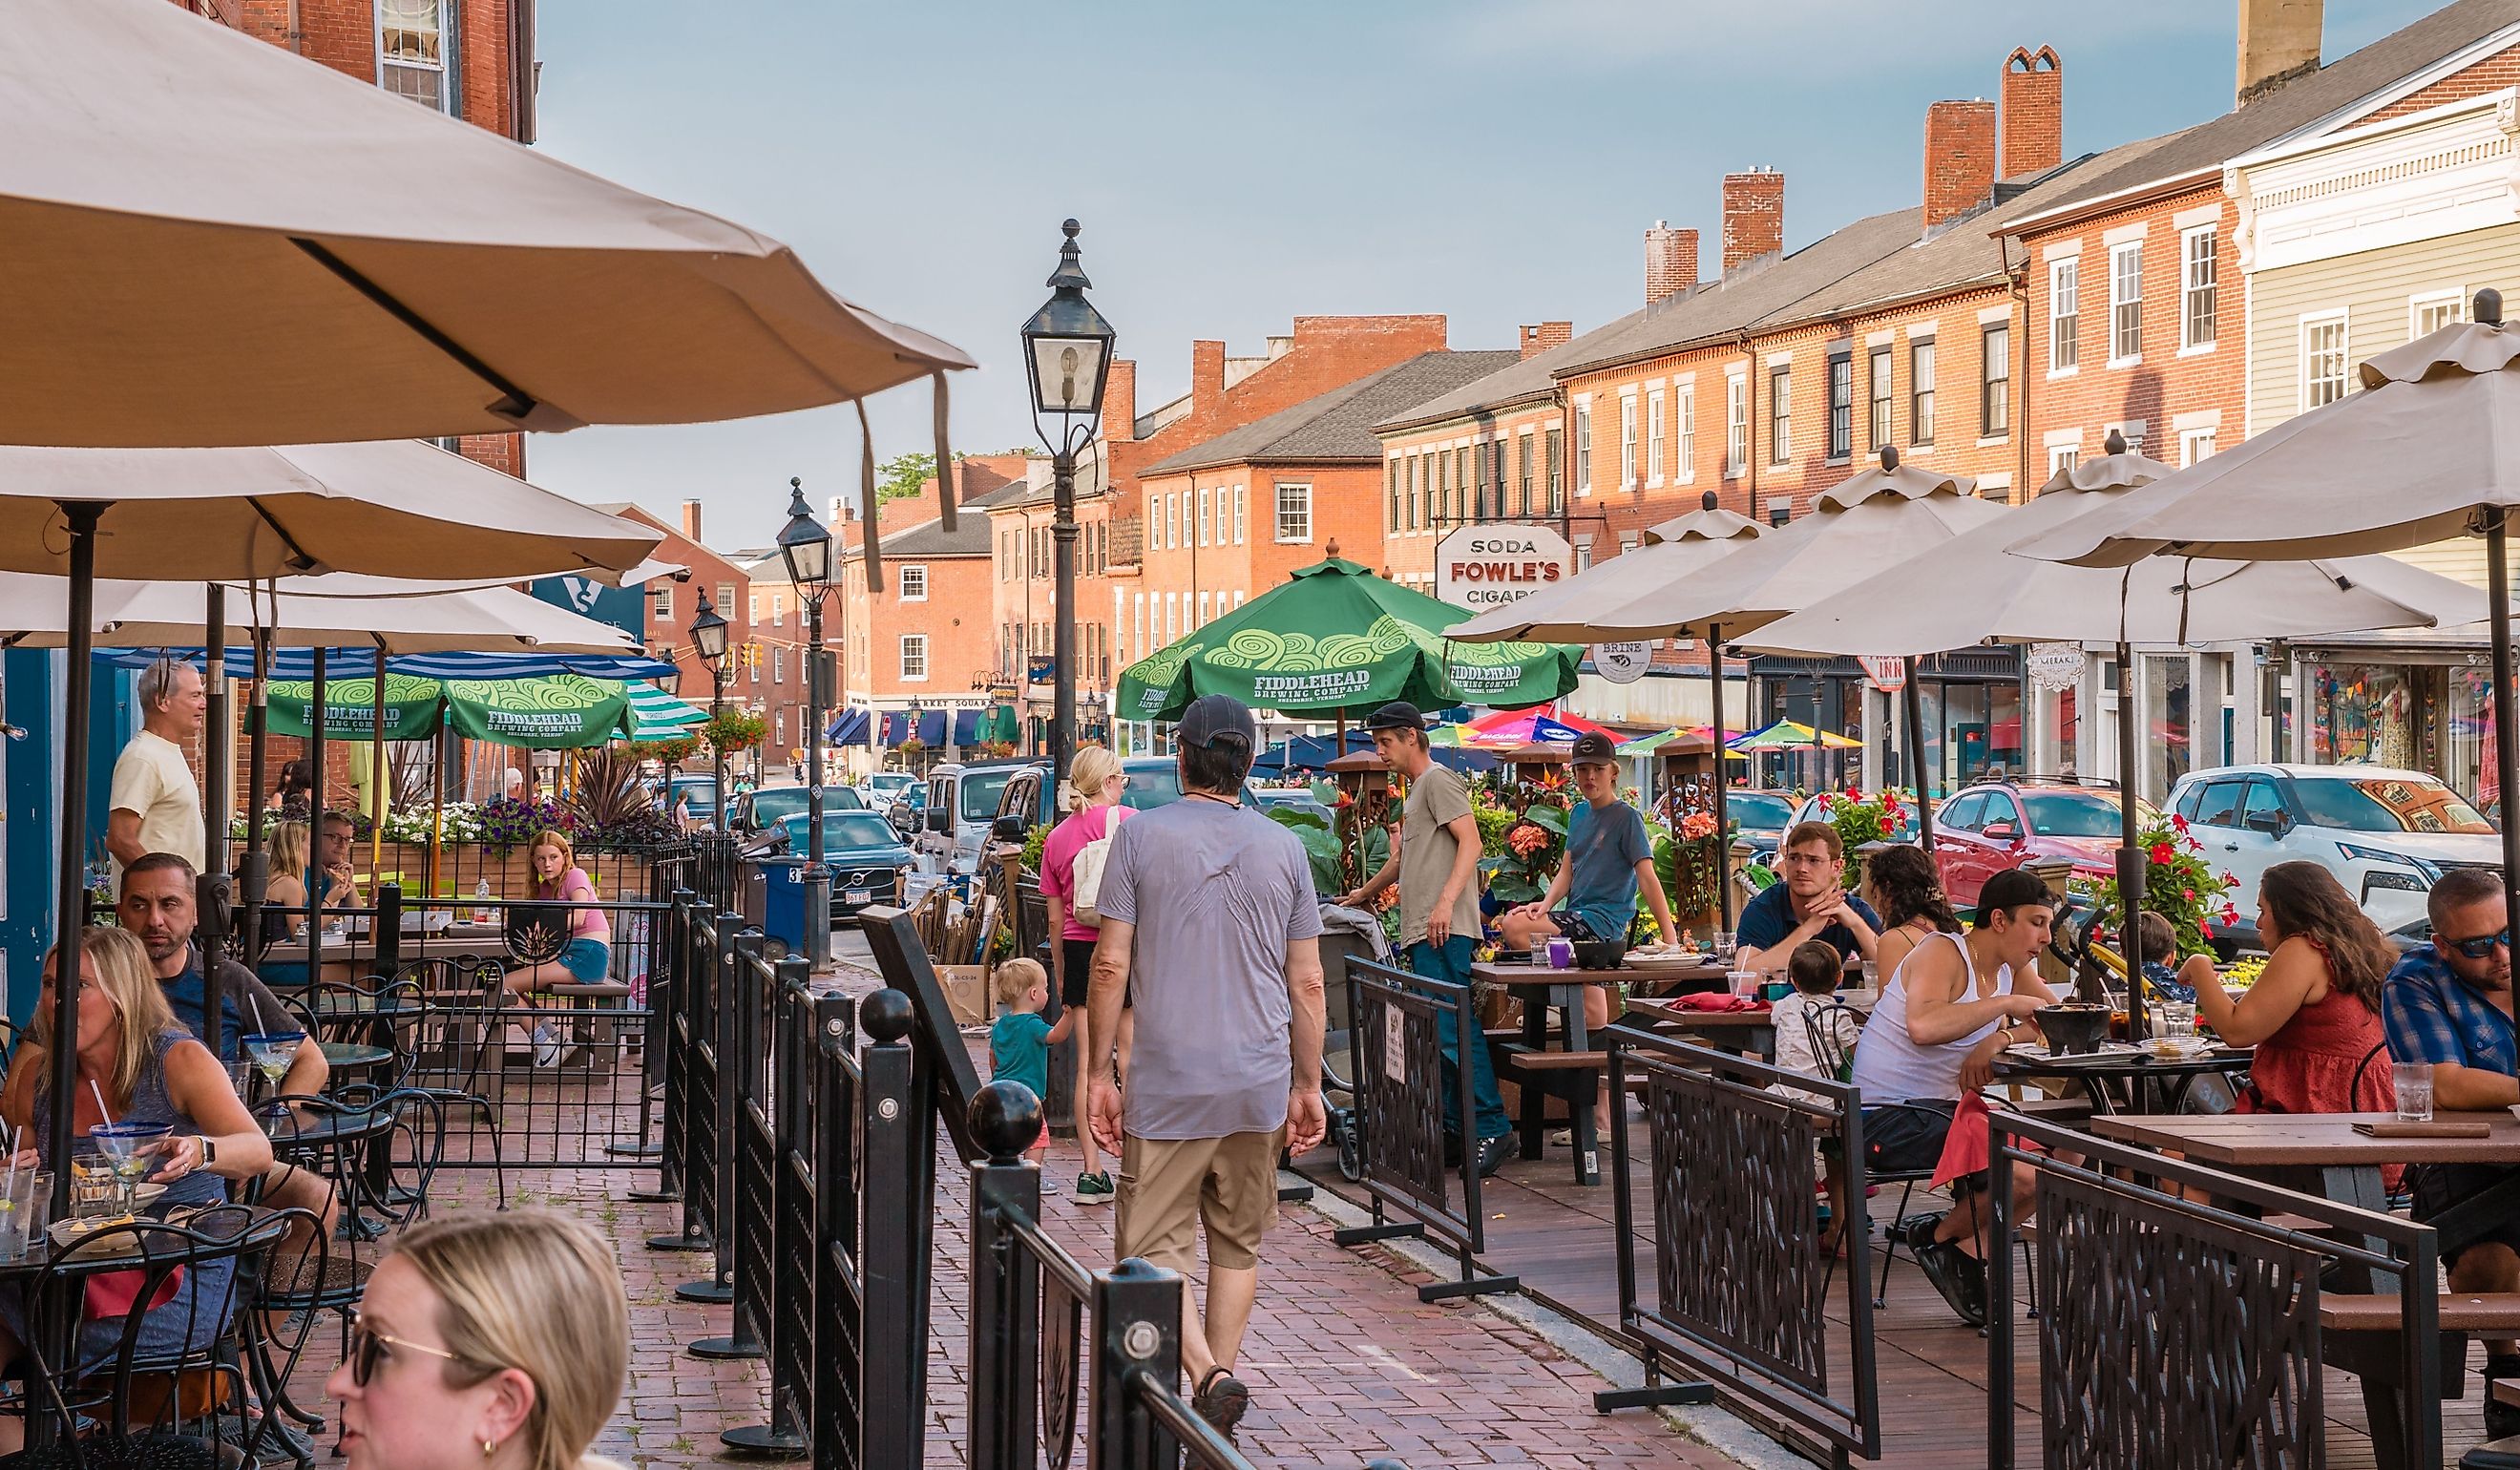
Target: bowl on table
(2073, 1030)
(1598, 954)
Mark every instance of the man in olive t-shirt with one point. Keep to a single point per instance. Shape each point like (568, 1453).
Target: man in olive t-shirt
(1437, 868)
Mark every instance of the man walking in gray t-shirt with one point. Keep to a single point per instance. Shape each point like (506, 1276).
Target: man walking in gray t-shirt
(1210, 926)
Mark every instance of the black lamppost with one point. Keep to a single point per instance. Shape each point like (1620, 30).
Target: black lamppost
(1068, 356)
(708, 640)
(806, 547)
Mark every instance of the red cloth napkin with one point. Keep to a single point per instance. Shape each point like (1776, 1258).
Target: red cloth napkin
(110, 1294)
(1717, 1001)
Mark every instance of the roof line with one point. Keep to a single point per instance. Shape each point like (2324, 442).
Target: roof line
(1675, 350)
(1483, 410)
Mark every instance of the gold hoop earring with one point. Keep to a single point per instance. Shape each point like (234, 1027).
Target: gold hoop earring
(489, 1448)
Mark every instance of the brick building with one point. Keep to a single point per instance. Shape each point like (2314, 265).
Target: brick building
(927, 638)
(2134, 323)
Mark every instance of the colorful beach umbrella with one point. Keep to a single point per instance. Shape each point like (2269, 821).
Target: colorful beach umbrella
(655, 715)
(1790, 735)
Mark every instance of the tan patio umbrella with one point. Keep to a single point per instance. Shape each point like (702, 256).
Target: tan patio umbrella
(1983, 593)
(1675, 550)
(328, 263)
(307, 613)
(1886, 517)
(2430, 449)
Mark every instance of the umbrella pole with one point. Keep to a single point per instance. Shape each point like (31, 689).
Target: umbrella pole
(318, 712)
(2133, 877)
(2507, 734)
(438, 815)
(1722, 823)
(71, 915)
(218, 763)
(376, 773)
(1913, 705)
(257, 718)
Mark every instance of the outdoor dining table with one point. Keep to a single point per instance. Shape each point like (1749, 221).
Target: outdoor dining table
(2321, 1154)
(355, 1056)
(2094, 1072)
(355, 959)
(1740, 1033)
(1542, 990)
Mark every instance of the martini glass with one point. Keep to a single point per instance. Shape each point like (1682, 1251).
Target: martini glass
(273, 1051)
(127, 1146)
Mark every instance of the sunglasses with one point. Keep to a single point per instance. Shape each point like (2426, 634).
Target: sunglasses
(2480, 947)
(368, 1348)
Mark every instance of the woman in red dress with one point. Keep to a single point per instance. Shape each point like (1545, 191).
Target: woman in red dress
(2314, 1013)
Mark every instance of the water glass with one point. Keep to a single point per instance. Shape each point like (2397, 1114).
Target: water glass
(25, 1209)
(2178, 1019)
(93, 1187)
(1743, 982)
(2413, 1082)
(1725, 945)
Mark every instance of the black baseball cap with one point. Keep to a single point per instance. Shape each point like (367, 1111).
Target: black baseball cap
(1399, 714)
(1211, 718)
(1594, 749)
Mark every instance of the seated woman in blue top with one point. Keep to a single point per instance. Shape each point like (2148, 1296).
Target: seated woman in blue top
(1810, 902)
(293, 877)
(1609, 862)
(151, 1071)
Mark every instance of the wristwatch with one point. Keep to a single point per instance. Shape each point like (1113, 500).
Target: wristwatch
(209, 1151)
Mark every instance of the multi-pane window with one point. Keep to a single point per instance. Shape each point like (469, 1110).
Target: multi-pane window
(2063, 456)
(1627, 441)
(2064, 314)
(1557, 460)
(1877, 388)
(1921, 391)
(1138, 623)
(1203, 495)
(2322, 360)
(1391, 516)
(1203, 613)
(1496, 472)
(777, 664)
(412, 40)
(1294, 512)
(1522, 474)
(914, 582)
(1172, 520)
(1841, 407)
(1653, 437)
(2194, 444)
(2431, 313)
(1736, 423)
(2196, 272)
(1781, 414)
(2126, 302)
(1685, 452)
(1994, 381)
(660, 602)
(1582, 448)
(914, 655)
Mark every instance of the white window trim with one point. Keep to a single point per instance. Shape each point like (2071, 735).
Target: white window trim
(1684, 431)
(903, 654)
(1241, 510)
(1656, 426)
(2456, 297)
(1582, 446)
(450, 85)
(2187, 349)
(2056, 268)
(2188, 440)
(907, 569)
(1278, 522)
(1736, 395)
(2116, 249)
(2344, 355)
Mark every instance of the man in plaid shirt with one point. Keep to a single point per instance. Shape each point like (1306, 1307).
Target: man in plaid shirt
(2450, 1005)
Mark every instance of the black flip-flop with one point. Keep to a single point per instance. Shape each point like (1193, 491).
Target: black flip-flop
(1221, 1399)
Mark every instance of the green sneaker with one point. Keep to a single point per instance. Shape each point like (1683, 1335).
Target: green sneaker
(1095, 1189)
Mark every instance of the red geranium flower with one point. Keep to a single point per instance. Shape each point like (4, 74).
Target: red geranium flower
(2189, 893)
(2164, 854)
(2179, 823)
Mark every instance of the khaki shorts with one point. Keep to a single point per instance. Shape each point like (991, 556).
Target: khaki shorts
(1170, 1187)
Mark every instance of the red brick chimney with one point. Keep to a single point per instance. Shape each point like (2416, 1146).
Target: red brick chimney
(1754, 216)
(692, 520)
(1670, 260)
(1120, 402)
(1540, 336)
(2034, 111)
(1206, 376)
(1959, 158)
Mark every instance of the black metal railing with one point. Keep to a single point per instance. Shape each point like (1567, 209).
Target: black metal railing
(1738, 1291)
(2181, 1307)
(1400, 1074)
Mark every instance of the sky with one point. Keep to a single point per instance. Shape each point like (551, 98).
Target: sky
(1235, 165)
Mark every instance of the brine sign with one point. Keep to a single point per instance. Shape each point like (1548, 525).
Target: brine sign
(1484, 567)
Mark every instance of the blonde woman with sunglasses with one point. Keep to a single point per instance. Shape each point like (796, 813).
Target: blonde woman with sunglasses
(486, 1342)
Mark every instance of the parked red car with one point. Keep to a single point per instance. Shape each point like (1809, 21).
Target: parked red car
(1982, 829)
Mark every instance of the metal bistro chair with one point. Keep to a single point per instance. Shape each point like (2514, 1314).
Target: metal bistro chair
(454, 1037)
(166, 1386)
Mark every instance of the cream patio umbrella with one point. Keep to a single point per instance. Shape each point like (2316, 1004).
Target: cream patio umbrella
(1675, 550)
(2429, 450)
(1884, 518)
(1984, 593)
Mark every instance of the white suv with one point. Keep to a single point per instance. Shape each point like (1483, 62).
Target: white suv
(2386, 834)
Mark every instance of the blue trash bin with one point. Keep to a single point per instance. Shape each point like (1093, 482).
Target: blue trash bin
(783, 901)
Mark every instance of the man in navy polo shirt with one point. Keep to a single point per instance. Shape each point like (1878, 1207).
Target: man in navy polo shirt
(1809, 903)
(2449, 1003)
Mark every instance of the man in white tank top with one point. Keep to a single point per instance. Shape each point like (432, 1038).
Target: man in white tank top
(1947, 1013)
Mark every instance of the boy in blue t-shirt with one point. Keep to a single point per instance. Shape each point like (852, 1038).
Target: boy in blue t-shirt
(1019, 1040)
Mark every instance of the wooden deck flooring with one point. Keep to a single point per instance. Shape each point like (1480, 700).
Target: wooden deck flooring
(1558, 1238)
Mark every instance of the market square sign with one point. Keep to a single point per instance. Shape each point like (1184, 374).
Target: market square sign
(1486, 567)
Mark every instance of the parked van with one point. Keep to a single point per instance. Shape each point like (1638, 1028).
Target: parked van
(963, 801)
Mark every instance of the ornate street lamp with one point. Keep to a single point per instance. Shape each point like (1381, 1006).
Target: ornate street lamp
(1068, 356)
(708, 640)
(806, 547)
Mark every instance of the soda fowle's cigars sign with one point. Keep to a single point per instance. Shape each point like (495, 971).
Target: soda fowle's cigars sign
(1480, 567)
